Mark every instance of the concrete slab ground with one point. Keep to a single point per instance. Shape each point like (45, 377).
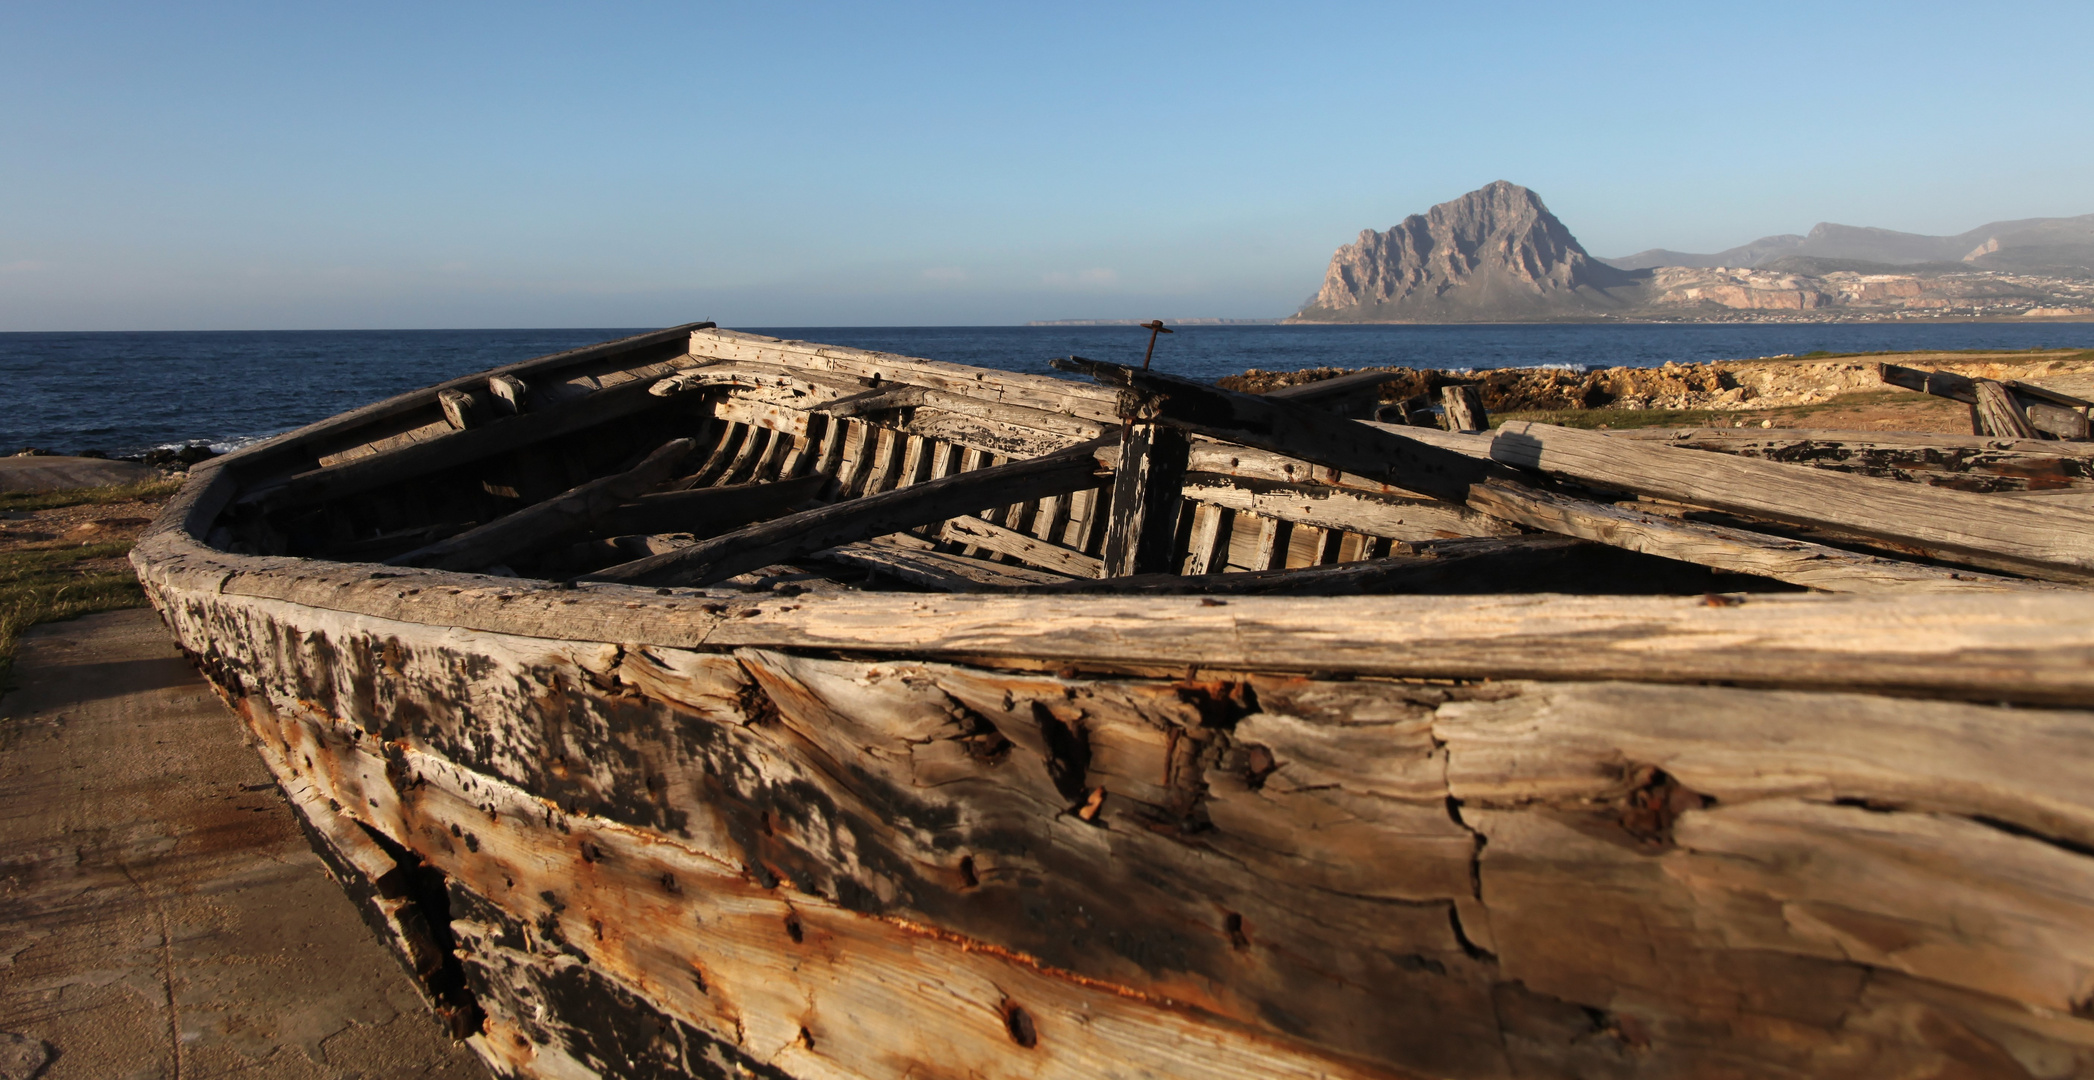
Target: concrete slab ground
(160, 915)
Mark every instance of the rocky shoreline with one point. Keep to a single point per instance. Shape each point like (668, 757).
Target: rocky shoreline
(1725, 386)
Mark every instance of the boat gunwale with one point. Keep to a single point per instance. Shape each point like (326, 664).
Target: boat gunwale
(2029, 648)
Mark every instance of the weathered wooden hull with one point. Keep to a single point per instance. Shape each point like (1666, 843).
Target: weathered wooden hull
(628, 832)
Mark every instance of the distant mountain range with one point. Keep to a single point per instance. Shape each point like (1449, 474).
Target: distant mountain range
(2060, 246)
(1497, 254)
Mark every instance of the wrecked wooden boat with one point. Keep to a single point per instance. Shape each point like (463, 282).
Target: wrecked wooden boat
(707, 704)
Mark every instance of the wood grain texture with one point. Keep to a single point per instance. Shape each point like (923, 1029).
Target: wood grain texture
(800, 858)
(2012, 535)
(2031, 647)
(1999, 415)
(1327, 507)
(1286, 427)
(1816, 566)
(971, 530)
(1146, 500)
(858, 519)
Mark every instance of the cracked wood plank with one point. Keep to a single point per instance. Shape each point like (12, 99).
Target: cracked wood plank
(1665, 875)
(1828, 569)
(2013, 535)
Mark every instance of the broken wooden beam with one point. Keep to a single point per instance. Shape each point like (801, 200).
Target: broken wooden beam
(1997, 413)
(989, 536)
(1462, 406)
(463, 447)
(2011, 535)
(809, 531)
(2045, 410)
(1739, 551)
(916, 563)
(1141, 535)
(1328, 507)
(1469, 567)
(883, 399)
(570, 512)
(509, 393)
(1354, 395)
(1286, 427)
(710, 510)
(461, 408)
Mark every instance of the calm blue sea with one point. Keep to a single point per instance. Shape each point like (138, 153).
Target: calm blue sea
(122, 393)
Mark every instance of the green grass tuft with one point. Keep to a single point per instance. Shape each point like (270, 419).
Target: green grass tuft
(46, 584)
(91, 496)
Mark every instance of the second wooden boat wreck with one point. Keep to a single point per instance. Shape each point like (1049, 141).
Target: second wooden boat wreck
(703, 704)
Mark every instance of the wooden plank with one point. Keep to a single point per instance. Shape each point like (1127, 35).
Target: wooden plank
(1327, 507)
(1273, 537)
(570, 513)
(498, 436)
(1962, 388)
(1016, 389)
(882, 399)
(1745, 915)
(1146, 500)
(1455, 569)
(893, 555)
(709, 510)
(1354, 394)
(2014, 535)
(1032, 550)
(510, 394)
(337, 435)
(874, 515)
(1462, 406)
(2057, 420)
(745, 978)
(1816, 566)
(1965, 462)
(1208, 553)
(1287, 428)
(2034, 647)
(1998, 413)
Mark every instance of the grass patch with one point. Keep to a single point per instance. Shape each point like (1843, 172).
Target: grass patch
(147, 490)
(45, 584)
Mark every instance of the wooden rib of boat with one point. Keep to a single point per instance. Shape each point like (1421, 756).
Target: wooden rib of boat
(704, 704)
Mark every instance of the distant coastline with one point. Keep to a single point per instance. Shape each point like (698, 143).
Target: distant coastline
(1166, 322)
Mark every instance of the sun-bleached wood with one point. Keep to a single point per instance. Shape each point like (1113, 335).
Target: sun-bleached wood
(710, 509)
(973, 531)
(1817, 566)
(2014, 535)
(858, 519)
(1998, 413)
(918, 564)
(1282, 426)
(510, 394)
(1663, 874)
(1146, 500)
(1462, 405)
(784, 829)
(1328, 507)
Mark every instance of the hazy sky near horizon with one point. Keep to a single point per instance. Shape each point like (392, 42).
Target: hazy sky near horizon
(258, 166)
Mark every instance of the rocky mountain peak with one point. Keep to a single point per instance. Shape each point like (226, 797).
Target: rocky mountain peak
(1496, 252)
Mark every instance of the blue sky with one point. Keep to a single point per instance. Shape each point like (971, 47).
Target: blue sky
(230, 166)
